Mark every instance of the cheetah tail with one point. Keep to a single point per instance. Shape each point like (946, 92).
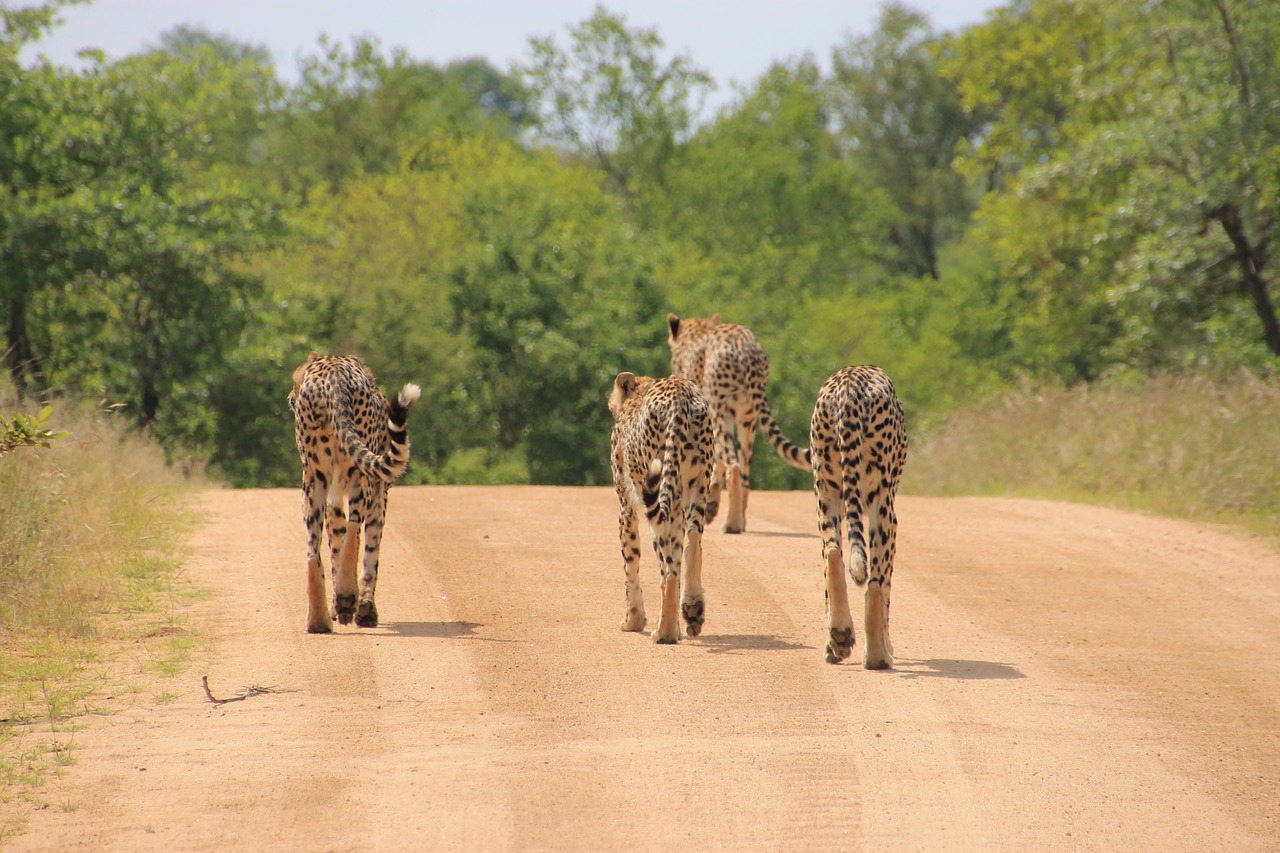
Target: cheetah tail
(793, 455)
(393, 462)
(652, 488)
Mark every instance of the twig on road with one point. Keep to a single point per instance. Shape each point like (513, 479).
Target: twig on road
(240, 697)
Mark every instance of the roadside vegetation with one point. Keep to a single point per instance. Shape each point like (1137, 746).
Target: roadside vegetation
(92, 602)
(1184, 446)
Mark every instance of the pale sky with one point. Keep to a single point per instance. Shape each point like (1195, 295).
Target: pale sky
(734, 40)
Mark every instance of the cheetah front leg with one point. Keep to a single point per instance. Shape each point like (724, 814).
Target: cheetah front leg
(668, 544)
(374, 519)
(343, 542)
(318, 618)
(721, 465)
(692, 603)
(629, 539)
(740, 476)
(882, 534)
(726, 473)
(692, 598)
(840, 636)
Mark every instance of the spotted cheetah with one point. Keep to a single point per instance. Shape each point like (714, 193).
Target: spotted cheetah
(728, 363)
(353, 445)
(859, 446)
(661, 454)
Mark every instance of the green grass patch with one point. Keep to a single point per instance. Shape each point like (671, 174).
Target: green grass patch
(91, 596)
(1192, 447)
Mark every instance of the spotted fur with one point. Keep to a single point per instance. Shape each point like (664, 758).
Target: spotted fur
(353, 445)
(858, 441)
(729, 365)
(661, 456)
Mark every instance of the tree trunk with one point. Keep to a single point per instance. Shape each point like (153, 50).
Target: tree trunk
(19, 356)
(1251, 261)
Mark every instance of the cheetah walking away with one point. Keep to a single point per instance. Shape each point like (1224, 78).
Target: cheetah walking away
(859, 446)
(729, 365)
(353, 445)
(661, 456)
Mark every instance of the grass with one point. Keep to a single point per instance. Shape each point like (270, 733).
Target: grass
(91, 598)
(1184, 446)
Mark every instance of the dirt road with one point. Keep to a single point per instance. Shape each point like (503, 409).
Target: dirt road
(1068, 678)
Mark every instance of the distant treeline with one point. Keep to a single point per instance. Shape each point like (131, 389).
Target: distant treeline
(1070, 191)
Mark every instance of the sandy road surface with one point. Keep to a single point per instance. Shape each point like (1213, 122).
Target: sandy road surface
(1068, 679)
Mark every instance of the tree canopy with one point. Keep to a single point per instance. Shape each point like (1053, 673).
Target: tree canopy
(1070, 190)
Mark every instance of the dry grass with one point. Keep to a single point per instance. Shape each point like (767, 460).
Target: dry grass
(88, 568)
(1187, 446)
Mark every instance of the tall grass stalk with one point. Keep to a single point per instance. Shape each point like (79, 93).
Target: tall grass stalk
(91, 529)
(1187, 446)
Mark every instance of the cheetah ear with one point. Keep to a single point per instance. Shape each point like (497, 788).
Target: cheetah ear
(625, 384)
(314, 355)
(715, 319)
(673, 326)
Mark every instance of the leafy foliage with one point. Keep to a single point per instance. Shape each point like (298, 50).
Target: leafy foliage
(611, 99)
(27, 431)
(1132, 229)
(901, 121)
(1068, 192)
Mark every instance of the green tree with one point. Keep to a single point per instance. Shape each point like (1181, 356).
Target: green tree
(902, 123)
(1017, 75)
(146, 241)
(356, 111)
(612, 100)
(555, 298)
(769, 207)
(1134, 229)
(29, 101)
(188, 42)
(372, 279)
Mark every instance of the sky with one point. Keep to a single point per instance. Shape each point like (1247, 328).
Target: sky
(734, 40)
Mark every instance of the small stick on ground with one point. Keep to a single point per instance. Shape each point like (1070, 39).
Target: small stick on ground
(251, 691)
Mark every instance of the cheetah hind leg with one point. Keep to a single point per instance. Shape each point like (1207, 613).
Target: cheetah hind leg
(668, 630)
(736, 518)
(878, 653)
(367, 613)
(345, 555)
(839, 617)
(319, 620)
(713, 497)
(692, 603)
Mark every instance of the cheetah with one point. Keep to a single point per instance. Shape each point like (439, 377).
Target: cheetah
(859, 445)
(728, 363)
(661, 455)
(353, 445)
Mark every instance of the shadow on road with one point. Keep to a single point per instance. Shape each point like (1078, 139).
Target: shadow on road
(723, 644)
(781, 534)
(439, 630)
(978, 670)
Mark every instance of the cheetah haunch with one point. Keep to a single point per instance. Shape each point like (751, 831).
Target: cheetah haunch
(729, 365)
(661, 455)
(859, 446)
(353, 446)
